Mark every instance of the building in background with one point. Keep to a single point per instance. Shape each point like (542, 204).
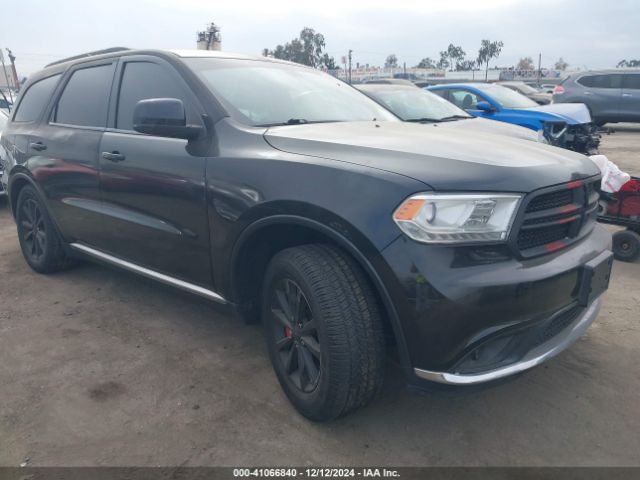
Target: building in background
(209, 39)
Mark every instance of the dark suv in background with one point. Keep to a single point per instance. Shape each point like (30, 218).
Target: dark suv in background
(610, 95)
(294, 199)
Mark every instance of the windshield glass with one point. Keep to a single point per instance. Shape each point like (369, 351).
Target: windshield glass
(415, 103)
(508, 98)
(525, 89)
(268, 93)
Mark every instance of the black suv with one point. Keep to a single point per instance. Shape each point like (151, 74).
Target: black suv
(291, 197)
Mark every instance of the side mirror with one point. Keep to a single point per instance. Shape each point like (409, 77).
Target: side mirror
(485, 107)
(163, 117)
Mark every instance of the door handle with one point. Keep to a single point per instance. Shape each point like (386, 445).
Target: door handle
(627, 95)
(39, 146)
(114, 156)
(588, 93)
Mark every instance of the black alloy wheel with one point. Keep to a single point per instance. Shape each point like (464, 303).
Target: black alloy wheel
(296, 335)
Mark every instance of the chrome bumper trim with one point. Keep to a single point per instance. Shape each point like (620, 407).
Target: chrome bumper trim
(146, 272)
(535, 357)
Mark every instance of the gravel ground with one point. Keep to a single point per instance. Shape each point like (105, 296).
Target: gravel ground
(99, 367)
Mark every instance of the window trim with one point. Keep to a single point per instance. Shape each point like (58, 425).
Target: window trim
(63, 85)
(117, 86)
(45, 109)
(600, 75)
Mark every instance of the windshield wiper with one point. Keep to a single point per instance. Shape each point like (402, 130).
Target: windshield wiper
(455, 117)
(422, 120)
(296, 121)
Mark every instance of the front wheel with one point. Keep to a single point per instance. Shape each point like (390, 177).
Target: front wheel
(324, 330)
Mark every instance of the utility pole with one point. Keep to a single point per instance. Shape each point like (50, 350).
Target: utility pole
(350, 52)
(539, 67)
(12, 59)
(6, 78)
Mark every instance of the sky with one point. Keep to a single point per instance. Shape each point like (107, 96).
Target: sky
(588, 34)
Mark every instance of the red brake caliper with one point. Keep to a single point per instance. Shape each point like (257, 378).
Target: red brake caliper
(287, 332)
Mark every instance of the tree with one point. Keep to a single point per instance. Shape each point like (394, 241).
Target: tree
(443, 63)
(307, 49)
(465, 65)
(451, 56)
(525, 63)
(426, 63)
(561, 64)
(488, 51)
(630, 63)
(391, 61)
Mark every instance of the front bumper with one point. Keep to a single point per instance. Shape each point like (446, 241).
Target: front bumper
(467, 318)
(535, 357)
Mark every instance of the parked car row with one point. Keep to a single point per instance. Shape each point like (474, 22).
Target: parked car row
(562, 125)
(469, 248)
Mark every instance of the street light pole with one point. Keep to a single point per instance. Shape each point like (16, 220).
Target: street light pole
(350, 52)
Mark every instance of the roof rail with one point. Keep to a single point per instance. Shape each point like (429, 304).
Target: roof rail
(88, 54)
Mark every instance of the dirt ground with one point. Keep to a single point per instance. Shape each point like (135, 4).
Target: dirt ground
(100, 367)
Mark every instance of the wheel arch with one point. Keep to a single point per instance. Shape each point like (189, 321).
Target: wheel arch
(246, 269)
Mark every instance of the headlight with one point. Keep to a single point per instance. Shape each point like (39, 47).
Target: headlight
(541, 136)
(457, 218)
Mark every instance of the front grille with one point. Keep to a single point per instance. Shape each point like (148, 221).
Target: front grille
(555, 218)
(542, 236)
(549, 200)
(557, 325)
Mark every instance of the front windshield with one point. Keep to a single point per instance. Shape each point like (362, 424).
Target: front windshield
(416, 104)
(508, 98)
(263, 93)
(526, 89)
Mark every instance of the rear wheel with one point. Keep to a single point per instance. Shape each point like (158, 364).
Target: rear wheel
(39, 240)
(626, 245)
(324, 331)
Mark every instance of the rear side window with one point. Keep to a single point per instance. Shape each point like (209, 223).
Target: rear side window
(144, 80)
(35, 98)
(631, 81)
(85, 99)
(601, 81)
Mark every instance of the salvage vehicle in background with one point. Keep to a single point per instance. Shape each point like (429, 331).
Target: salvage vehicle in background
(412, 104)
(295, 200)
(4, 118)
(567, 126)
(610, 95)
(541, 98)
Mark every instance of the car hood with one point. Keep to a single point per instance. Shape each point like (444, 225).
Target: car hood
(572, 113)
(438, 155)
(481, 125)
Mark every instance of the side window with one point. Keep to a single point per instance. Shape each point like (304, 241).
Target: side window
(85, 99)
(631, 81)
(35, 98)
(143, 80)
(602, 81)
(464, 99)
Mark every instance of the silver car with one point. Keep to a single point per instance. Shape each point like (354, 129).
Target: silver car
(610, 95)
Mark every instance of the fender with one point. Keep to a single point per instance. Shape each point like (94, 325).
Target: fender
(348, 246)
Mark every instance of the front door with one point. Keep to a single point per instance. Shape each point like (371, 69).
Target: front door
(153, 189)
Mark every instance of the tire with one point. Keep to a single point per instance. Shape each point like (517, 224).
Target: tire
(41, 245)
(338, 328)
(626, 245)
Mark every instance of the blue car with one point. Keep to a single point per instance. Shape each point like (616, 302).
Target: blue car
(566, 125)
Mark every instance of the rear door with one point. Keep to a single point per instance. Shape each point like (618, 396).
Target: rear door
(154, 192)
(602, 94)
(64, 149)
(630, 100)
